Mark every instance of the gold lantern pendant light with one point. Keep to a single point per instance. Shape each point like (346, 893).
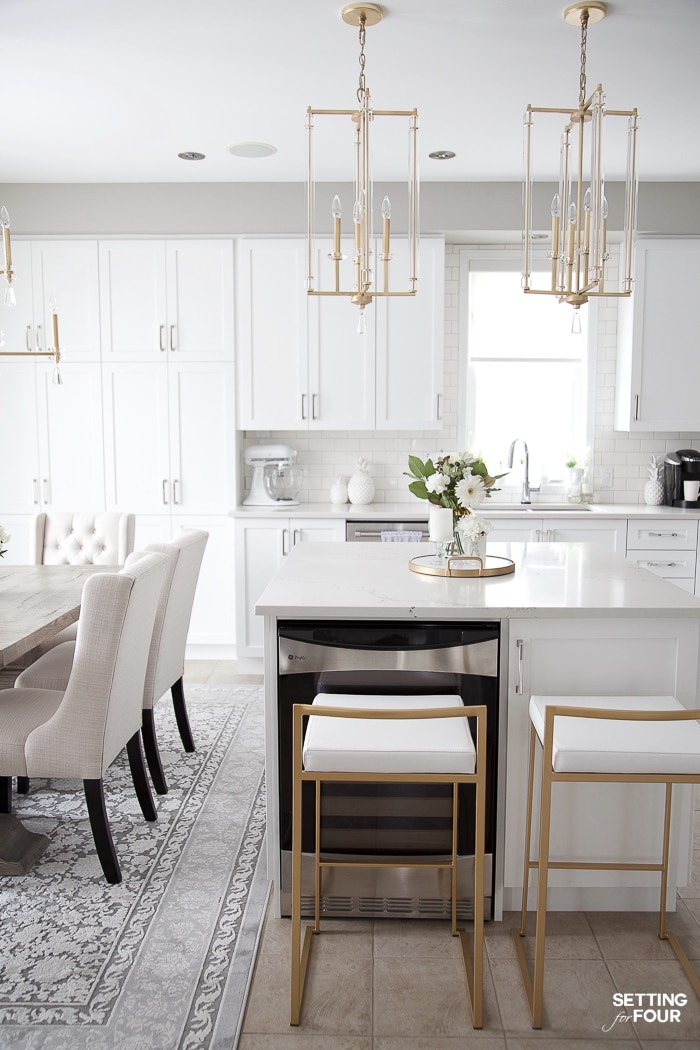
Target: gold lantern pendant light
(580, 213)
(359, 280)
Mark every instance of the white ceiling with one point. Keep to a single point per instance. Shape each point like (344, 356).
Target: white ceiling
(113, 90)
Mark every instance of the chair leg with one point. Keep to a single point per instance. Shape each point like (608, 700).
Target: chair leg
(150, 746)
(534, 987)
(5, 794)
(94, 796)
(22, 785)
(138, 775)
(183, 723)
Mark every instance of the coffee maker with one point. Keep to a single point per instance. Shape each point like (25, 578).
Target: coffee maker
(680, 466)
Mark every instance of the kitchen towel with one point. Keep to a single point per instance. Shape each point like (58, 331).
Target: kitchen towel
(401, 535)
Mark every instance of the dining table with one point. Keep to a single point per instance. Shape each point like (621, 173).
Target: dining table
(36, 601)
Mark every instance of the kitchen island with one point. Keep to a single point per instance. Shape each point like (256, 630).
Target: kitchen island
(574, 618)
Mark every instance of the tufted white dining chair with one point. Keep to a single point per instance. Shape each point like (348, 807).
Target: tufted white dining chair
(68, 538)
(79, 731)
(166, 660)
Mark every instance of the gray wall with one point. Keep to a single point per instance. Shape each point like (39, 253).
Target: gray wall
(473, 211)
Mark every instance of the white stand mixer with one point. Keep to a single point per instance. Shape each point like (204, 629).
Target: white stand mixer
(259, 457)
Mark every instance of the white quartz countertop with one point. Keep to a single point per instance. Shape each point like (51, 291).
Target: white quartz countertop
(418, 510)
(374, 580)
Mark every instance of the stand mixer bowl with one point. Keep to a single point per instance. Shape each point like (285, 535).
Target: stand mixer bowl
(282, 482)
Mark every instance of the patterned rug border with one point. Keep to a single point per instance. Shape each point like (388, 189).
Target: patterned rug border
(217, 985)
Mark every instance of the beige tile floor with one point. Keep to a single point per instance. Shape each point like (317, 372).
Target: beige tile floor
(395, 985)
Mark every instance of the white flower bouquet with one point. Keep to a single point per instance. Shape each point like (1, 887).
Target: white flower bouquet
(460, 481)
(4, 539)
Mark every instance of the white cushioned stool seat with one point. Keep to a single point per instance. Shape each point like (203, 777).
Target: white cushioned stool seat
(592, 745)
(435, 745)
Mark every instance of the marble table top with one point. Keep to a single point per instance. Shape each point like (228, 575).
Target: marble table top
(37, 601)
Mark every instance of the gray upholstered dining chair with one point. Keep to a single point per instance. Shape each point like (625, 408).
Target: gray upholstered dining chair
(166, 661)
(79, 731)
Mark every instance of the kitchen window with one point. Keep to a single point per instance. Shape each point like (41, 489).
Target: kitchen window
(524, 374)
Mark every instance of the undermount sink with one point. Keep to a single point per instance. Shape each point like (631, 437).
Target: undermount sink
(536, 508)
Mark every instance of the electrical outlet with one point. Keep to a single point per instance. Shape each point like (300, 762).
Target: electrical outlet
(607, 477)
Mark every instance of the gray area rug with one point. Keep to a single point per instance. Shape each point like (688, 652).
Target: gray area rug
(163, 961)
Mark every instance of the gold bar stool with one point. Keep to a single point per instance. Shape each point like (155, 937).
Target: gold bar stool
(411, 739)
(593, 739)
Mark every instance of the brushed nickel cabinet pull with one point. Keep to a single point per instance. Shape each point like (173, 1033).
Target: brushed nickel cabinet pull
(38, 337)
(285, 541)
(636, 406)
(28, 338)
(439, 406)
(35, 490)
(172, 337)
(303, 406)
(175, 483)
(519, 683)
(45, 489)
(314, 398)
(161, 334)
(164, 490)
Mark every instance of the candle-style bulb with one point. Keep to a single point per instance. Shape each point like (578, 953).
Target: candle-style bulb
(386, 208)
(605, 207)
(555, 208)
(4, 218)
(337, 208)
(576, 323)
(572, 214)
(587, 200)
(358, 209)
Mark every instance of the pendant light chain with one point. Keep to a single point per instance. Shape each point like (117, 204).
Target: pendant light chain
(362, 86)
(582, 80)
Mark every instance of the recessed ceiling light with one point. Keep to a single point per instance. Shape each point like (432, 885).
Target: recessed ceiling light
(252, 149)
(442, 154)
(191, 154)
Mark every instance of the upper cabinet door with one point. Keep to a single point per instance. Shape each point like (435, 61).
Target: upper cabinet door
(17, 322)
(66, 280)
(410, 341)
(271, 335)
(341, 361)
(133, 300)
(60, 275)
(658, 359)
(200, 300)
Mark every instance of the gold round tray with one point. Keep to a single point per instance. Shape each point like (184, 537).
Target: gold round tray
(491, 565)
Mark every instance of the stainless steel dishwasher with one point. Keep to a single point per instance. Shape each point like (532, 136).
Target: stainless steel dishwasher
(389, 820)
(371, 531)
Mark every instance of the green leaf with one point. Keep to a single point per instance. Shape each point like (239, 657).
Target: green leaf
(418, 489)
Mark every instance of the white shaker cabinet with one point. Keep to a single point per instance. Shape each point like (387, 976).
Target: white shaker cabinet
(169, 440)
(526, 527)
(666, 547)
(261, 545)
(606, 656)
(60, 275)
(167, 299)
(658, 364)
(410, 344)
(301, 363)
(52, 435)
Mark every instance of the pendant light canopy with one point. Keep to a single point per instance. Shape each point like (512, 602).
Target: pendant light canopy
(583, 210)
(352, 146)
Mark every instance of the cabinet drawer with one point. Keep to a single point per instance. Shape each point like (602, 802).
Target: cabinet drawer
(662, 535)
(670, 564)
